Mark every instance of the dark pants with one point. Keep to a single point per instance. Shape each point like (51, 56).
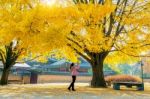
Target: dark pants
(73, 81)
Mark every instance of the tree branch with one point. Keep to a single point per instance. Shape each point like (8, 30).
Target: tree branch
(3, 59)
(34, 58)
(81, 54)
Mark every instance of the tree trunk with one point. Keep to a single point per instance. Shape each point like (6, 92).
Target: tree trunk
(97, 69)
(4, 78)
(98, 76)
(9, 58)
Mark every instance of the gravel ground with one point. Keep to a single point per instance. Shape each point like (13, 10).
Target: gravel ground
(59, 91)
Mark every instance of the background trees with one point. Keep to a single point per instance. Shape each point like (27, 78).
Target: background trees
(11, 33)
(15, 32)
(28, 29)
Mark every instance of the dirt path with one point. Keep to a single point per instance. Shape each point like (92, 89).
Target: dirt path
(59, 91)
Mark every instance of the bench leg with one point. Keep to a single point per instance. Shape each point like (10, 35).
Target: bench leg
(129, 86)
(141, 88)
(116, 86)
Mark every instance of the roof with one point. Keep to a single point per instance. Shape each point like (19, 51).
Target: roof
(23, 65)
(61, 62)
(17, 65)
(85, 65)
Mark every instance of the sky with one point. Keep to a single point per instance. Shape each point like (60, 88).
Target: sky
(53, 2)
(49, 2)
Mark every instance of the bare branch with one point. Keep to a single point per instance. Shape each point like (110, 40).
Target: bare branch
(81, 54)
(113, 50)
(135, 55)
(75, 42)
(3, 59)
(34, 58)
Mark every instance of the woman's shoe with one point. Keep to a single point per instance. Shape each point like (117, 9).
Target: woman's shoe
(73, 90)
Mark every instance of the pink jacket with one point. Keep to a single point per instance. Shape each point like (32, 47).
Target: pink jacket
(74, 71)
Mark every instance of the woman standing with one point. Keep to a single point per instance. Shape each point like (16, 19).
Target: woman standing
(74, 73)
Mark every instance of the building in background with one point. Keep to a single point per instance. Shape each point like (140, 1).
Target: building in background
(146, 67)
(61, 67)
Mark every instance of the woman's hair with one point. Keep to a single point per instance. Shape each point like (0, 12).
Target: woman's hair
(72, 64)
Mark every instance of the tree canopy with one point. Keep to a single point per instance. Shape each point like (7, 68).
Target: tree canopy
(109, 31)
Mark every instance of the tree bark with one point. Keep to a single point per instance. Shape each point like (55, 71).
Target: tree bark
(4, 78)
(98, 76)
(97, 68)
(9, 57)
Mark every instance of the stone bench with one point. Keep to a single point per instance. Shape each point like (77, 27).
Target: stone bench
(116, 85)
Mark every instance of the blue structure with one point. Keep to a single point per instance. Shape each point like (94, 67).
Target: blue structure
(61, 67)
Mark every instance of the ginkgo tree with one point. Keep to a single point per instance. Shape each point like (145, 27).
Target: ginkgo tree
(10, 35)
(27, 26)
(16, 30)
(109, 31)
(91, 28)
